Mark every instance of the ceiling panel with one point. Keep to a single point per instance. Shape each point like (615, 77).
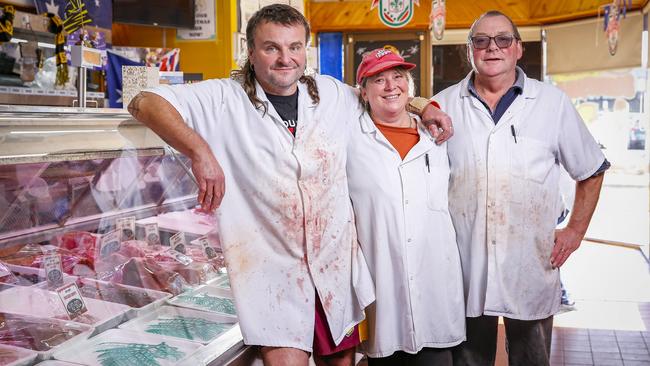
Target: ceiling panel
(356, 14)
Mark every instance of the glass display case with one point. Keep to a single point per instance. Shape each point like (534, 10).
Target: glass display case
(103, 253)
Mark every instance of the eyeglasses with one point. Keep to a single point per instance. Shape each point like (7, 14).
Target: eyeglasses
(501, 40)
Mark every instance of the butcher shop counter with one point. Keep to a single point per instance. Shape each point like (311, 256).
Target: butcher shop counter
(104, 257)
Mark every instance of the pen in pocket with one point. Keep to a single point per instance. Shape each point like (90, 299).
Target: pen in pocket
(426, 162)
(514, 135)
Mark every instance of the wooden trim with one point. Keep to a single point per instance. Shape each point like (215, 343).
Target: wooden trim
(577, 16)
(614, 243)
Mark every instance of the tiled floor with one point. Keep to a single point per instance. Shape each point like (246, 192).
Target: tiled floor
(611, 322)
(575, 346)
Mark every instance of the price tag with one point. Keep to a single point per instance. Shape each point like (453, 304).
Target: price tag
(179, 257)
(208, 249)
(109, 243)
(126, 226)
(53, 270)
(152, 234)
(72, 301)
(177, 242)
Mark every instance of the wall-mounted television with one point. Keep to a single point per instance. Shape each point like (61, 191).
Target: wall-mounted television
(167, 13)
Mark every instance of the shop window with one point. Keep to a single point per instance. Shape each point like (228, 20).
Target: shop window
(613, 105)
(450, 64)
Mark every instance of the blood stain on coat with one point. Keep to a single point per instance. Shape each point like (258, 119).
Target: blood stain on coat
(300, 282)
(328, 301)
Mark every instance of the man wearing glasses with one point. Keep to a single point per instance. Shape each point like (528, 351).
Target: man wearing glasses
(512, 135)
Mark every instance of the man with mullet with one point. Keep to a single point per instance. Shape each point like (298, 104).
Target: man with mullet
(287, 228)
(512, 135)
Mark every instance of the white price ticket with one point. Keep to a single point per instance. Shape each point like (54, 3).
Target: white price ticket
(53, 270)
(151, 234)
(179, 257)
(72, 301)
(205, 243)
(177, 242)
(109, 243)
(126, 225)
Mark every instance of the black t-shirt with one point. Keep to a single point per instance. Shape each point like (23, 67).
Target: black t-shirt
(287, 108)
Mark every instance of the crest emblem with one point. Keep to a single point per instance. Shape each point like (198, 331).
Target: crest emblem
(395, 13)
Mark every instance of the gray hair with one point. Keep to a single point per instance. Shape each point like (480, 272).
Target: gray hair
(489, 14)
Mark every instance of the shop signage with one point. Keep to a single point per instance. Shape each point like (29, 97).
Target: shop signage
(395, 13)
(204, 23)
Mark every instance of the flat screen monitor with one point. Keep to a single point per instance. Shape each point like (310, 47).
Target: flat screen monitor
(167, 13)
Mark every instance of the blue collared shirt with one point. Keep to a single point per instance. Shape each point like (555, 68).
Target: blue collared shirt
(506, 100)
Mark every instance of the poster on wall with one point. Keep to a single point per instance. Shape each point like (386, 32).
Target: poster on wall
(205, 23)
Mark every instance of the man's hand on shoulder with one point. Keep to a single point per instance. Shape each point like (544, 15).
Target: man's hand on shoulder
(437, 122)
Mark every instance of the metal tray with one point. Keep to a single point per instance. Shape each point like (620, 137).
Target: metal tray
(207, 298)
(122, 342)
(41, 303)
(187, 324)
(24, 356)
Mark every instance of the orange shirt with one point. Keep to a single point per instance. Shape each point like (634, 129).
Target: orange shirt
(402, 138)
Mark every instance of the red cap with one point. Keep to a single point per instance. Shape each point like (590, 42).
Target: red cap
(380, 60)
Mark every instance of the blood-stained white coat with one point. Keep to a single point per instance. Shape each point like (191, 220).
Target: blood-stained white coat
(286, 220)
(504, 194)
(406, 234)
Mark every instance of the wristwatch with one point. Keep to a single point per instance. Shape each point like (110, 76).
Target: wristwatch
(417, 104)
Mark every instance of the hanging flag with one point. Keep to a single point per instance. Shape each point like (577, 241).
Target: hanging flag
(99, 11)
(612, 21)
(437, 18)
(395, 13)
(114, 77)
(169, 62)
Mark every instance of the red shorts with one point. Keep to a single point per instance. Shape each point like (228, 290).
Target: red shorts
(323, 341)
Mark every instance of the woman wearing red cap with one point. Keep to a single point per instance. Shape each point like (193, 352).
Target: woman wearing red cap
(398, 179)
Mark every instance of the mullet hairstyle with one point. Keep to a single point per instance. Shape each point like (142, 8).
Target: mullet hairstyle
(278, 14)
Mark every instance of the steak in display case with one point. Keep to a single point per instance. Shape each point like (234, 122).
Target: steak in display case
(99, 225)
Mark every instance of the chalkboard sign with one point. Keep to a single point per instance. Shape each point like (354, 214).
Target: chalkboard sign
(408, 48)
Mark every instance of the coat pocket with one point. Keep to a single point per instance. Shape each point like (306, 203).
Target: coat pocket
(531, 159)
(437, 182)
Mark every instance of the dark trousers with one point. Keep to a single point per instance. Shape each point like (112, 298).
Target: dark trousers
(426, 357)
(528, 342)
